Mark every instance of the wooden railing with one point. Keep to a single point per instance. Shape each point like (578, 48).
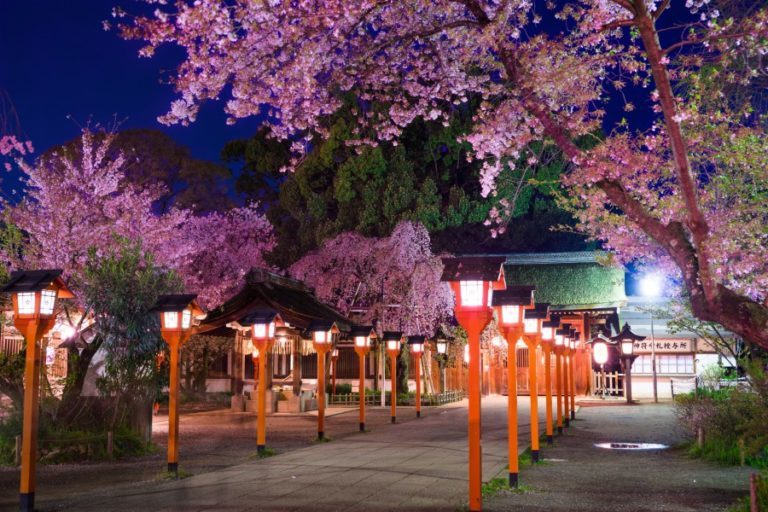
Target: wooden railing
(612, 383)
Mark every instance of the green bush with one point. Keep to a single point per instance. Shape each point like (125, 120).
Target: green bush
(58, 446)
(762, 496)
(341, 389)
(733, 420)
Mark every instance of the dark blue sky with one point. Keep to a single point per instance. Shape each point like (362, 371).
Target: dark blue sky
(57, 60)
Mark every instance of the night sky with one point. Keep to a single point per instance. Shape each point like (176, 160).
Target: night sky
(57, 60)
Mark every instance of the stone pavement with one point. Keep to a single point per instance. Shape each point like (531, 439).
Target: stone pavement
(416, 466)
(579, 477)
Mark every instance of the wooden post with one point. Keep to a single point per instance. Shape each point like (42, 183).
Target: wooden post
(572, 375)
(474, 328)
(261, 419)
(559, 389)
(393, 391)
(110, 443)
(533, 391)
(361, 391)
(566, 387)
(418, 384)
(31, 416)
(512, 336)
(700, 437)
(753, 507)
(548, 390)
(173, 408)
(17, 450)
(320, 394)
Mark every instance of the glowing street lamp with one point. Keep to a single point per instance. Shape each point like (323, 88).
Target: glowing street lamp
(178, 314)
(473, 280)
(441, 354)
(532, 320)
(393, 341)
(626, 340)
(416, 344)
(322, 340)
(548, 328)
(260, 325)
(363, 337)
(600, 355)
(34, 296)
(509, 305)
(651, 286)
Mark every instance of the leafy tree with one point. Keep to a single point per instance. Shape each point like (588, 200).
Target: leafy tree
(153, 160)
(122, 284)
(543, 72)
(426, 177)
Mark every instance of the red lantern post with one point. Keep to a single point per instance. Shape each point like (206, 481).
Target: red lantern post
(34, 294)
(473, 280)
(509, 305)
(177, 313)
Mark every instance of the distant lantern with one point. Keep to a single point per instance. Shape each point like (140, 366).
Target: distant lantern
(393, 341)
(533, 318)
(416, 344)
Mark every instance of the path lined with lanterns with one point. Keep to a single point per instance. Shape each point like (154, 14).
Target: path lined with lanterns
(420, 463)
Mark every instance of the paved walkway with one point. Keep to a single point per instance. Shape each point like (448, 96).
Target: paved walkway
(579, 477)
(419, 465)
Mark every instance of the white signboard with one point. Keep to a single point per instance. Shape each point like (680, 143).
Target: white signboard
(665, 345)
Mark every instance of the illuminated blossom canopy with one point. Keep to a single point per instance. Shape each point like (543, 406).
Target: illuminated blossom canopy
(541, 72)
(394, 279)
(78, 199)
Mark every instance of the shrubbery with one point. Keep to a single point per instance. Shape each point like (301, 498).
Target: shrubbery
(733, 420)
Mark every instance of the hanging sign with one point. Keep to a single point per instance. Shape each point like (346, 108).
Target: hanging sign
(664, 345)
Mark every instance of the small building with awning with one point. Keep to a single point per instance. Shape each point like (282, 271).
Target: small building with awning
(293, 357)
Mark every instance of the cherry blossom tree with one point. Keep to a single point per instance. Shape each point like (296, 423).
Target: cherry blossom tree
(394, 279)
(75, 200)
(544, 72)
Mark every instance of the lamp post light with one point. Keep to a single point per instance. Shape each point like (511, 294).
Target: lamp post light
(509, 305)
(532, 320)
(322, 341)
(334, 359)
(177, 315)
(650, 286)
(548, 328)
(441, 355)
(600, 355)
(260, 324)
(393, 341)
(626, 340)
(34, 294)
(416, 345)
(473, 280)
(363, 337)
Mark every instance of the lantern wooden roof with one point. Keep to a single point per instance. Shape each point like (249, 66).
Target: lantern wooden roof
(418, 339)
(295, 302)
(36, 280)
(554, 322)
(175, 302)
(626, 334)
(539, 311)
(392, 336)
(473, 268)
(362, 330)
(514, 296)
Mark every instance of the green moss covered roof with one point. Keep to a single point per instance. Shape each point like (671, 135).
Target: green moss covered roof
(568, 284)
